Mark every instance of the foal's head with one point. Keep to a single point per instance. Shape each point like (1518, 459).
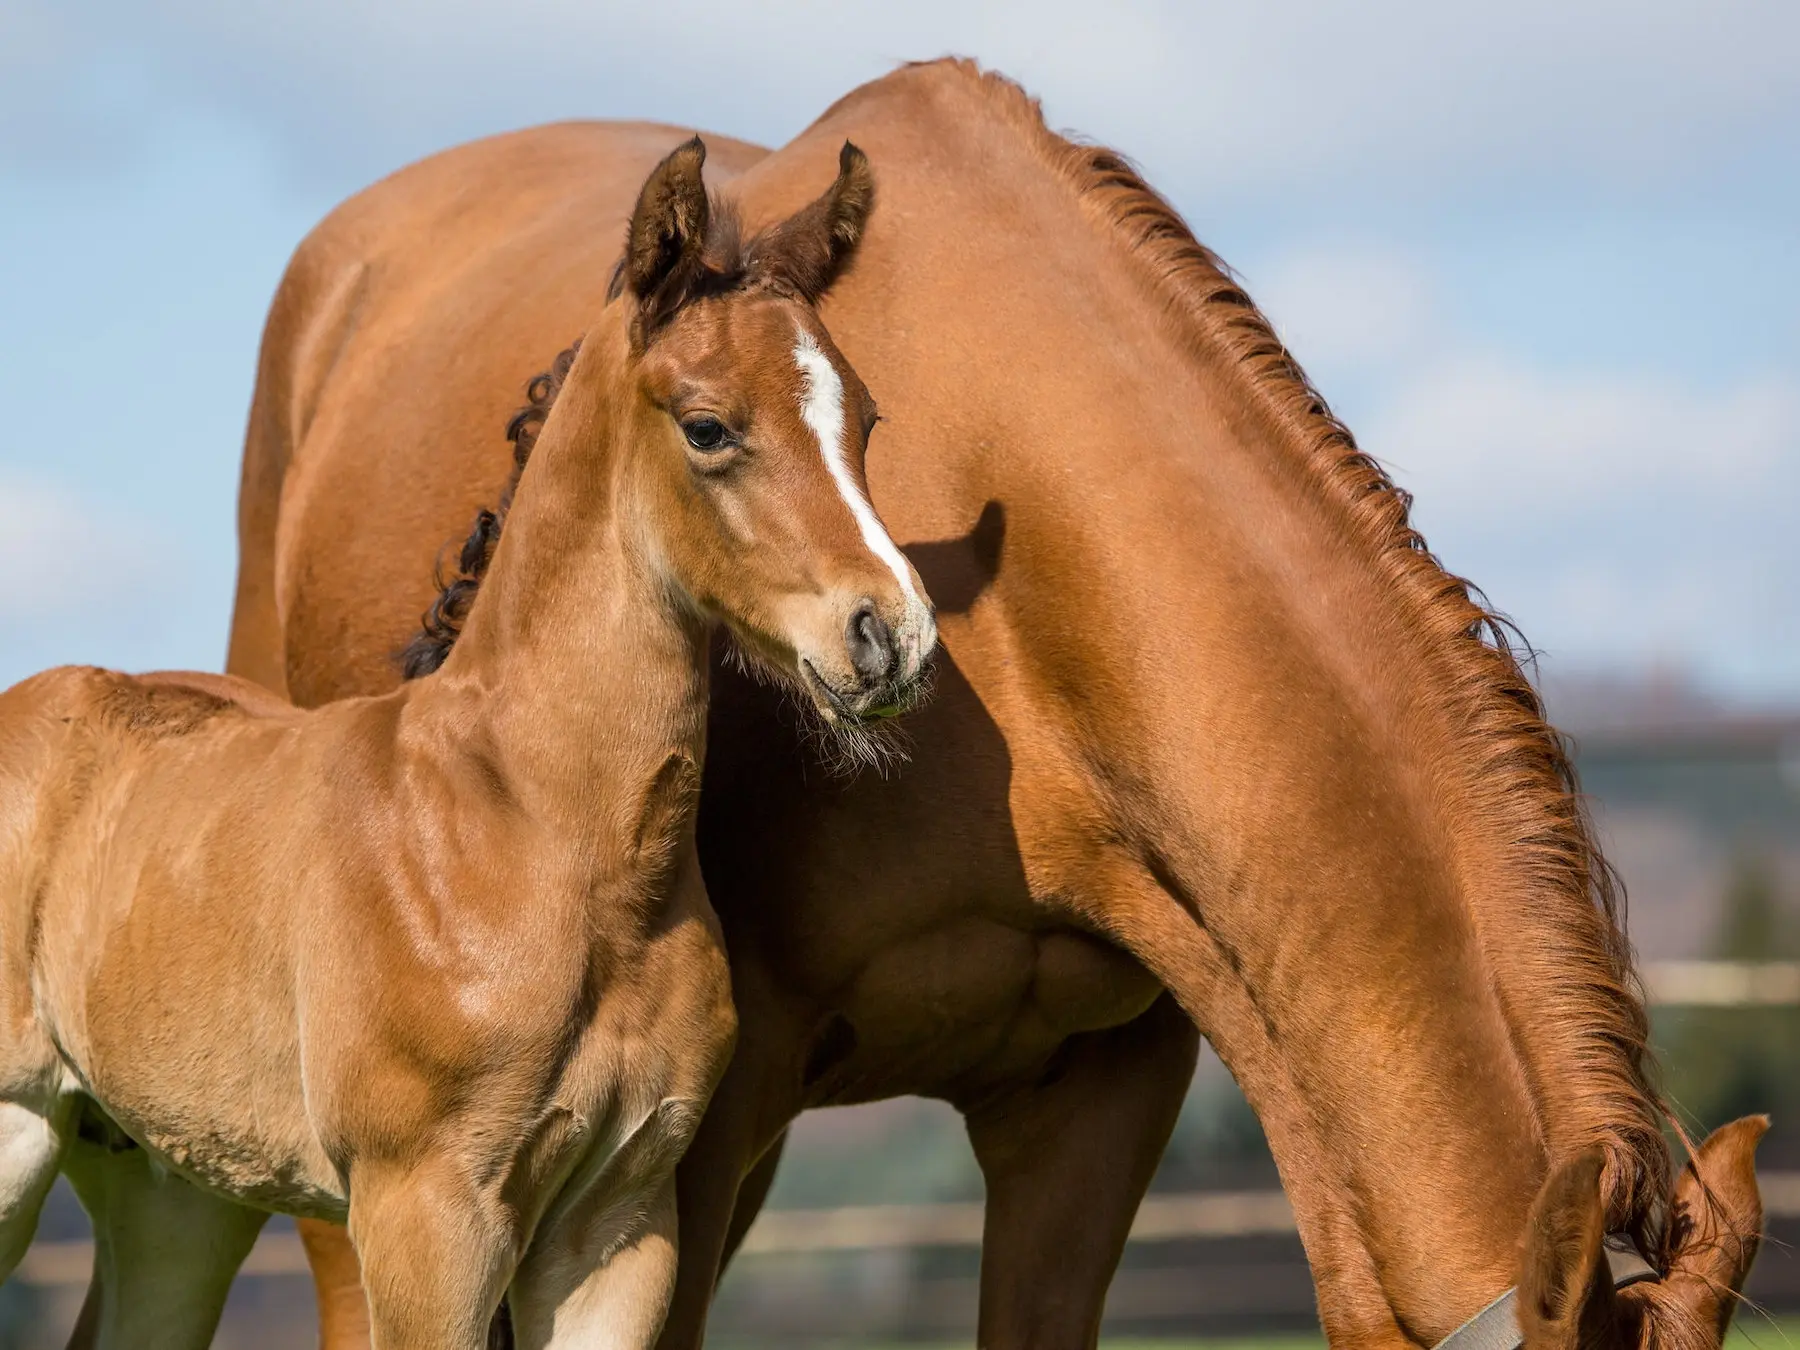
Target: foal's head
(748, 428)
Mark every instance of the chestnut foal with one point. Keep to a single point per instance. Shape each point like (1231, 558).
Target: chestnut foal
(440, 963)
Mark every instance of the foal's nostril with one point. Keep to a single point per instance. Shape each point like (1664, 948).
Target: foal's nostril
(871, 644)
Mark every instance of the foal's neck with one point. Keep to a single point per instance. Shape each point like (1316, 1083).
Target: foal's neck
(578, 679)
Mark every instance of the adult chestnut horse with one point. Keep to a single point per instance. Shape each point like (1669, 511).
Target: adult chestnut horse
(1218, 747)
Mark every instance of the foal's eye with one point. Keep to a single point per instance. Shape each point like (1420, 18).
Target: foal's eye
(706, 433)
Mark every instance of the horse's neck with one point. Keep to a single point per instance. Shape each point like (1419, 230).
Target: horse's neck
(575, 675)
(1311, 896)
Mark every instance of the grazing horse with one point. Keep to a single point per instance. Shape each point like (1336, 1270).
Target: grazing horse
(440, 962)
(1216, 745)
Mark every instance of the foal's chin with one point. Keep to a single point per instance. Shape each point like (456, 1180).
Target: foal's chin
(867, 731)
(850, 731)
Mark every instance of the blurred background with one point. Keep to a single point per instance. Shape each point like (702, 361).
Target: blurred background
(1542, 257)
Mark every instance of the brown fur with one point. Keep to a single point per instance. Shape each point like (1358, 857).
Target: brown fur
(1216, 724)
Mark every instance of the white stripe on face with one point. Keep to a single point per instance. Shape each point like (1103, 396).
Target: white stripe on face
(822, 409)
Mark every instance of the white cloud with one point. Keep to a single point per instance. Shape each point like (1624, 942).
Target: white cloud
(1349, 310)
(1238, 98)
(1479, 431)
(1624, 517)
(60, 554)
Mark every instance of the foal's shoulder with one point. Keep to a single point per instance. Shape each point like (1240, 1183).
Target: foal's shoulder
(168, 703)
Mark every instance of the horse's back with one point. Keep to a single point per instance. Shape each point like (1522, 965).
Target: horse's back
(402, 335)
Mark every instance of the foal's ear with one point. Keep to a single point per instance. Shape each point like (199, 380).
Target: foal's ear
(668, 229)
(806, 252)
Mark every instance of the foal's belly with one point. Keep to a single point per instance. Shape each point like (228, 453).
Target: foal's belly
(969, 1004)
(257, 1166)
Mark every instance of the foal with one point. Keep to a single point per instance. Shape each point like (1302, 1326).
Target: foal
(440, 963)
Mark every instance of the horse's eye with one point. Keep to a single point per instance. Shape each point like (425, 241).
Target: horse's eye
(706, 433)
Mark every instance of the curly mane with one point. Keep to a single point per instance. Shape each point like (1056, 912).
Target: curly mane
(441, 625)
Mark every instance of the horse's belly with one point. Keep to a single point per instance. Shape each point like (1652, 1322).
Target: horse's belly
(971, 1001)
(193, 1052)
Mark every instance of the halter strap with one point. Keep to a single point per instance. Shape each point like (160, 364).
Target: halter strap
(1496, 1327)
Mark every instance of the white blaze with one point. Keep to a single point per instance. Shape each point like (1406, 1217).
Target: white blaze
(822, 409)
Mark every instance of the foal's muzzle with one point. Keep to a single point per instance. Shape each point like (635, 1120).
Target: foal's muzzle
(885, 663)
(874, 655)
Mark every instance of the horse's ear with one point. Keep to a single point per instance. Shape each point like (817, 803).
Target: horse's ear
(1716, 1222)
(668, 229)
(1566, 1297)
(806, 252)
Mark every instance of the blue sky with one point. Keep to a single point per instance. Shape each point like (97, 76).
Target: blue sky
(1545, 260)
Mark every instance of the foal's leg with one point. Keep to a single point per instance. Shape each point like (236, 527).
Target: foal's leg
(598, 1277)
(165, 1251)
(1066, 1163)
(437, 1254)
(31, 1150)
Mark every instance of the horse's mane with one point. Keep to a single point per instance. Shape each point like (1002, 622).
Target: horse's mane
(441, 625)
(1519, 771)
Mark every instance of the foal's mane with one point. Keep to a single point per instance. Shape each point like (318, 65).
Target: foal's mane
(1519, 767)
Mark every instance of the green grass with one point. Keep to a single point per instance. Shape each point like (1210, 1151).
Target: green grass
(1752, 1332)
(1748, 1332)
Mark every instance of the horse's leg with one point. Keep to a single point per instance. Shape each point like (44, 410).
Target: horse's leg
(750, 1198)
(742, 1121)
(165, 1251)
(337, 1278)
(31, 1151)
(599, 1277)
(337, 1285)
(436, 1254)
(1066, 1162)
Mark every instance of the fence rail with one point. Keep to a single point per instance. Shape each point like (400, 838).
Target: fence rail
(1161, 1218)
(790, 1232)
(1723, 984)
